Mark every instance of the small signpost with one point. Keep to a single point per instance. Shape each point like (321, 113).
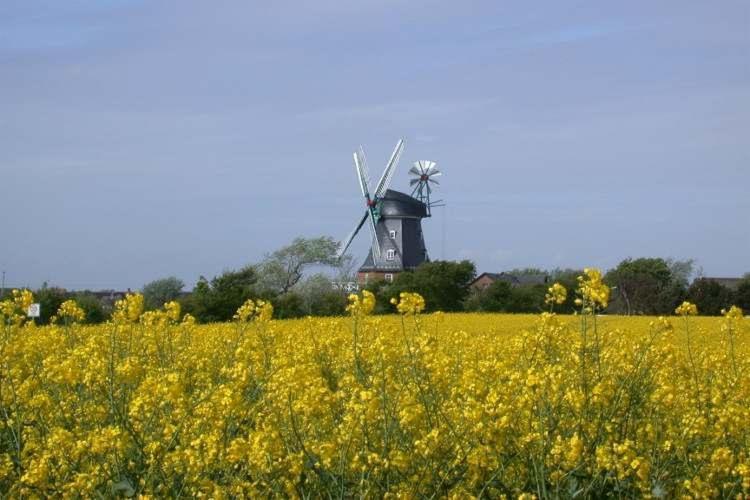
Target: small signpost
(33, 311)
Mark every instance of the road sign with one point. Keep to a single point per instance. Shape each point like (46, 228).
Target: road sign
(33, 311)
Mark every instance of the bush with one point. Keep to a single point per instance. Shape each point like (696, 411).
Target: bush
(443, 284)
(49, 300)
(161, 291)
(218, 299)
(709, 296)
(92, 307)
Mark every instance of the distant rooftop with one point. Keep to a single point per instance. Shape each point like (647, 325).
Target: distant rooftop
(731, 283)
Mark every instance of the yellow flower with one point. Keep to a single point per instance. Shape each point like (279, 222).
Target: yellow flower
(14, 309)
(263, 310)
(23, 299)
(686, 309)
(592, 290)
(245, 311)
(574, 451)
(409, 303)
(172, 310)
(259, 310)
(70, 312)
(129, 309)
(734, 312)
(556, 294)
(462, 404)
(361, 306)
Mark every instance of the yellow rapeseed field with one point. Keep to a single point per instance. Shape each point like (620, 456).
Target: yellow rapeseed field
(409, 405)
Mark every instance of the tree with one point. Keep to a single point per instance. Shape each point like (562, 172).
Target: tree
(495, 298)
(220, 298)
(527, 271)
(502, 296)
(527, 299)
(742, 294)
(49, 299)
(289, 305)
(646, 286)
(284, 268)
(569, 279)
(160, 291)
(319, 297)
(682, 270)
(709, 296)
(92, 307)
(443, 284)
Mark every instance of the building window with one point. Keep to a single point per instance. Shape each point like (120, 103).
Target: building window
(390, 255)
(393, 234)
(388, 277)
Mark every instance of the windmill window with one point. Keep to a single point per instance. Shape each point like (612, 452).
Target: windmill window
(390, 255)
(388, 277)
(393, 234)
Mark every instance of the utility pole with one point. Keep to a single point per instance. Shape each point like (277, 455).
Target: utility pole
(2, 290)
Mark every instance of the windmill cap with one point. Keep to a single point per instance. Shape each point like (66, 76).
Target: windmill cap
(398, 204)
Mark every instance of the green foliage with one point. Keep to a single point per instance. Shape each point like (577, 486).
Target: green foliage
(647, 285)
(443, 284)
(157, 292)
(92, 307)
(218, 299)
(329, 304)
(284, 268)
(527, 271)
(314, 296)
(49, 299)
(319, 297)
(494, 298)
(288, 305)
(383, 294)
(710, 296)
(682, 270)
(502, 296)
(569, 279)
(527, 299)
(742, 294)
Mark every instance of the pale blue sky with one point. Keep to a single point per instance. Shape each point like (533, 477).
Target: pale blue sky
(145, 139)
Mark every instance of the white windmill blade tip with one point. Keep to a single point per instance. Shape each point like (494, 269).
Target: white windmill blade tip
(390, 169)
(363, 184)
(365, 168)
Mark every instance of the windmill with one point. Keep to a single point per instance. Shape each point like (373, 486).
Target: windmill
(394, 218)
(373, 201)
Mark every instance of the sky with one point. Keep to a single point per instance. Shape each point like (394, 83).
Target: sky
(140, 139)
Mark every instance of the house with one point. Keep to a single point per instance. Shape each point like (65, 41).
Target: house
(486, 279)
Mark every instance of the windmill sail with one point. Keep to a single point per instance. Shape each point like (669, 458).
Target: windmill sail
(373, 198)
(350, 238)
(390, 169)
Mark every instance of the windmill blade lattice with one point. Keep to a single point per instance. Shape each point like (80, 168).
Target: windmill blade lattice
(390, 169)
(423, 172)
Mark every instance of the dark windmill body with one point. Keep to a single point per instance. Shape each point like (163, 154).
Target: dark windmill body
(395, 220)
